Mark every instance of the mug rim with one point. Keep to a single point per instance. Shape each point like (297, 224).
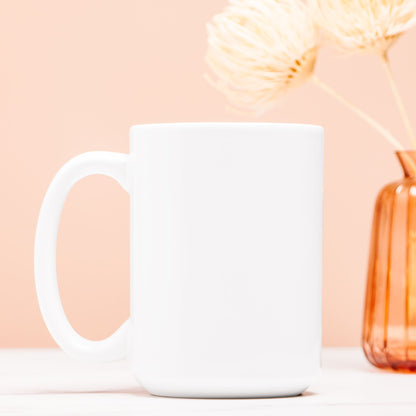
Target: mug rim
(294, 127)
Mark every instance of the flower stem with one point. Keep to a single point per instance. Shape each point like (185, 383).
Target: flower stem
(373, 123)
(399, 101)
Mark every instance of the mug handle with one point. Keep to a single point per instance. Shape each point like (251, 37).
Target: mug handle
(114, 347)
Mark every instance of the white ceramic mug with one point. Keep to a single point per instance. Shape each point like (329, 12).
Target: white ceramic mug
(226, 247)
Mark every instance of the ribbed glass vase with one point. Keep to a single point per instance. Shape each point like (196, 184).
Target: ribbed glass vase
(389, 331)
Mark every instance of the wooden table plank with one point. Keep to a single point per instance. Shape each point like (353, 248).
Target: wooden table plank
(47, 382)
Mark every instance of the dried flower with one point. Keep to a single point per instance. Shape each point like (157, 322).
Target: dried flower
(369, 26)
(259, 49)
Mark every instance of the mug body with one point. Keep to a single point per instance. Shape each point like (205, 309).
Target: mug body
(226, 253)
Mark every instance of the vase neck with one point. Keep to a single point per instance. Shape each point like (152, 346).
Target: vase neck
(407, 159)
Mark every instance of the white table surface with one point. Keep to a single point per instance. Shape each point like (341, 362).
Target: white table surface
(47, 382)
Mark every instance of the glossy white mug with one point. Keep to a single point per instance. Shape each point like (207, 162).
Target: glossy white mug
(226, 247)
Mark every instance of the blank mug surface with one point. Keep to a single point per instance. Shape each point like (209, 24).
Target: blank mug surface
(226, 253)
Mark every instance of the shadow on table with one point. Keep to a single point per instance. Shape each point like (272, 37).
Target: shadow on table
(130, 391)
(140, 392)
(361, 366)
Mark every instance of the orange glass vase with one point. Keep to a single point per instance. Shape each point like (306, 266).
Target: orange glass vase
(389, 332)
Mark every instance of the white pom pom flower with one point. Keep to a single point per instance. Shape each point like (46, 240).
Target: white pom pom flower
(258, 49)
(368, 26)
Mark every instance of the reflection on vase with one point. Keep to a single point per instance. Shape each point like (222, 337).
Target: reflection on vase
(389, 332)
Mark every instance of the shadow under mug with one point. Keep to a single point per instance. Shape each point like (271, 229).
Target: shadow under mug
(226, 248)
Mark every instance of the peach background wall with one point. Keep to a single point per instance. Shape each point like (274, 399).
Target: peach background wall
(75, 75)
